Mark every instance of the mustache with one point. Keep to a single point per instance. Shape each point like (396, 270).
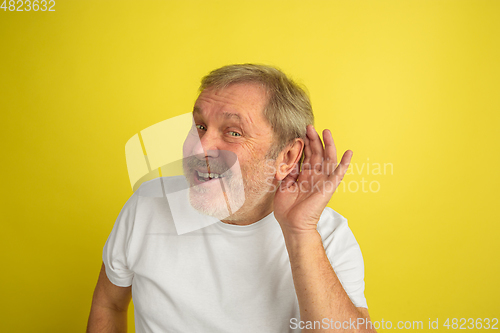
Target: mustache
(213, 164)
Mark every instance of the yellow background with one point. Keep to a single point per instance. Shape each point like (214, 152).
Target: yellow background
(411, 83)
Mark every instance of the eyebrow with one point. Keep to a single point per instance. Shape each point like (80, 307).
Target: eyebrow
(227, 115)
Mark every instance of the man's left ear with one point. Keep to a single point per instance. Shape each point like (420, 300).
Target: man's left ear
(289, 158)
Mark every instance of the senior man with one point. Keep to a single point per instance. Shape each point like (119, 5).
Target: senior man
(264, 267)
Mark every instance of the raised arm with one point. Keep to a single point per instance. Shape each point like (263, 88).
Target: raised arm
(298, 205)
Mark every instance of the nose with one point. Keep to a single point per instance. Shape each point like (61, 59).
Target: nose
(207, 146)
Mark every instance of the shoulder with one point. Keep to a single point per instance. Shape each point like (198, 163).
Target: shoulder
(331, 222)
(335, 232)
(344, 254)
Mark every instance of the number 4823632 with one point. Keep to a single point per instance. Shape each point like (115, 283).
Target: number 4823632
(27, 6)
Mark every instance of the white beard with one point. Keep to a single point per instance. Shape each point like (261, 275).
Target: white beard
(238, 194)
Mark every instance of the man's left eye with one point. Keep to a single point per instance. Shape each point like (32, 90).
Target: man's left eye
(232, 133)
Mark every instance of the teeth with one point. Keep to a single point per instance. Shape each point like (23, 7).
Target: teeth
(209, 175)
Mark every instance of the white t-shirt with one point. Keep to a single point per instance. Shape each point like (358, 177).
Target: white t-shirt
(219, 278)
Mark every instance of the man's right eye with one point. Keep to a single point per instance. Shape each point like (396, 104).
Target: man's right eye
(201, 127)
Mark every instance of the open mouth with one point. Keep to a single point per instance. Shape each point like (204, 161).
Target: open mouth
(205, 177)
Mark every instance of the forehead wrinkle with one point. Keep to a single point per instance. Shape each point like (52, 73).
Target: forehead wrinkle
(229, 115)
(230, 107)
(226, 114)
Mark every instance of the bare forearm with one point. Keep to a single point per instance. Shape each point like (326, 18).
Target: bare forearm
(106, 320)
(319, 291)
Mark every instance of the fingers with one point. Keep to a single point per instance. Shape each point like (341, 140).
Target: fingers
(341, 169)
(315, 149)
(330, 154)
(324, 158)
(307, 153)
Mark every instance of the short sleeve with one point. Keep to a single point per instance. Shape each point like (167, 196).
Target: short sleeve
(115, 250)
(344, 254)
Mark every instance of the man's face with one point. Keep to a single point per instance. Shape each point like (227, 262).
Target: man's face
(230, 125)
